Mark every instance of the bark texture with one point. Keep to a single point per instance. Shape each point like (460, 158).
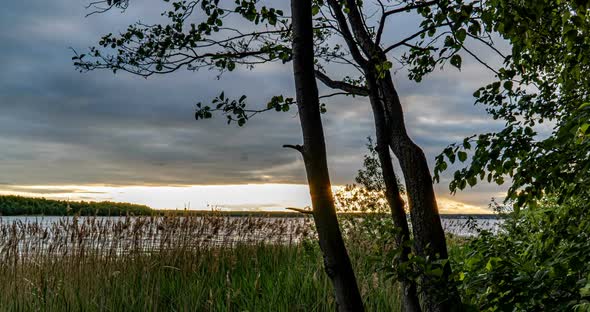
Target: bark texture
(426, 224)
(411, 301)
(429, 236)
(336, 260)
(424, 213)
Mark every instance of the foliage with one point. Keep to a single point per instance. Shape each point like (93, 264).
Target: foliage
(375, 236)
(209, 34)
(541, 93)
(445, 28)
(18, 206)
(204, 34)
(539, 261)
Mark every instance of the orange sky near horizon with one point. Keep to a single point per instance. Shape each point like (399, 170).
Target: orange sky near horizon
(255, 197)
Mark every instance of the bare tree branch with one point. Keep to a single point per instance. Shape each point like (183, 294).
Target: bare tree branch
(334, 84)
(297, 147)
(346, 33)
(335, 94)
(386, 14)
(304, 211)
(415, 35)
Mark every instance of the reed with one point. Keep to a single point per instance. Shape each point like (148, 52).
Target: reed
(204, 263)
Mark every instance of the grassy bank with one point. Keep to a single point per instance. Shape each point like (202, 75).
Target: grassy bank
(76, 268)
(245, 278)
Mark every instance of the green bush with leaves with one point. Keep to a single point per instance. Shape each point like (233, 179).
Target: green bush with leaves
(539, 261)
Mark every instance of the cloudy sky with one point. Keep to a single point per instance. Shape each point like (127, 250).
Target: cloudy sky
(95, 136)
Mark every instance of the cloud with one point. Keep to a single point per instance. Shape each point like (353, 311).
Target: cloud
(61, 127)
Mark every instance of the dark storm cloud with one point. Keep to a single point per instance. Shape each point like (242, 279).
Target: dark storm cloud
(58, 126)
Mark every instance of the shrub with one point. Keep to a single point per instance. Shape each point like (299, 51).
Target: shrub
(540, 261)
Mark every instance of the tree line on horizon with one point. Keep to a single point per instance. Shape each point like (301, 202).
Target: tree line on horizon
(12, 205)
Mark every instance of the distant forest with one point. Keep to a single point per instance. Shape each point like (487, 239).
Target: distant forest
(19, 206)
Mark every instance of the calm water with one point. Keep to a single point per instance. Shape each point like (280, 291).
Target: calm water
(462, 225)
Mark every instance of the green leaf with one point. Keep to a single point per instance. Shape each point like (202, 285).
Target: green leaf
(315, 10)
(462, 184)
(456, 61)
(462, 156)
(461, 34)
(489, 265)
(442, 166)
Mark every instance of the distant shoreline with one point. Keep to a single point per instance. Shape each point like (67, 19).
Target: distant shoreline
(271, 214)
(18, 206)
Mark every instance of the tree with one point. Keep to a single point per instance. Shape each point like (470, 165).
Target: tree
(371, 58)
(336, 260)
(151, 57)
(544, 80)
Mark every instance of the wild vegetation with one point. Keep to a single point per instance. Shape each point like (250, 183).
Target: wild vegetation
(538, 262)
(208, 263)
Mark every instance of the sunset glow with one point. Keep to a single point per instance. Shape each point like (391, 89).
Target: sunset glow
(255, 197)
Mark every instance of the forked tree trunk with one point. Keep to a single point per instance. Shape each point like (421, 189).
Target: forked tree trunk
(423, 208)
(424, 213)
(411, 301)
(426, 225)
(429, 235)
(428, 232)
(336, 261)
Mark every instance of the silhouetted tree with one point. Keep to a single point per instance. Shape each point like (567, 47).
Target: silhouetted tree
(336, 259)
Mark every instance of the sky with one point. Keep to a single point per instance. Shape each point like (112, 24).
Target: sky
(100, 136)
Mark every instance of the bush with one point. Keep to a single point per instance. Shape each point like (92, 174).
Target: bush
(540, 261)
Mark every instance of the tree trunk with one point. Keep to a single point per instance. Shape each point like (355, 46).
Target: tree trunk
(423, 207)
(336, 261)
(411, 301)
(429, 235)
(426, 225)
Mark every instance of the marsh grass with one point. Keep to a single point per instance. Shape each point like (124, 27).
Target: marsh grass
(210, 263)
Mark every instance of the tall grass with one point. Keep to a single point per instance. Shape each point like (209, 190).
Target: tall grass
(208, 263)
